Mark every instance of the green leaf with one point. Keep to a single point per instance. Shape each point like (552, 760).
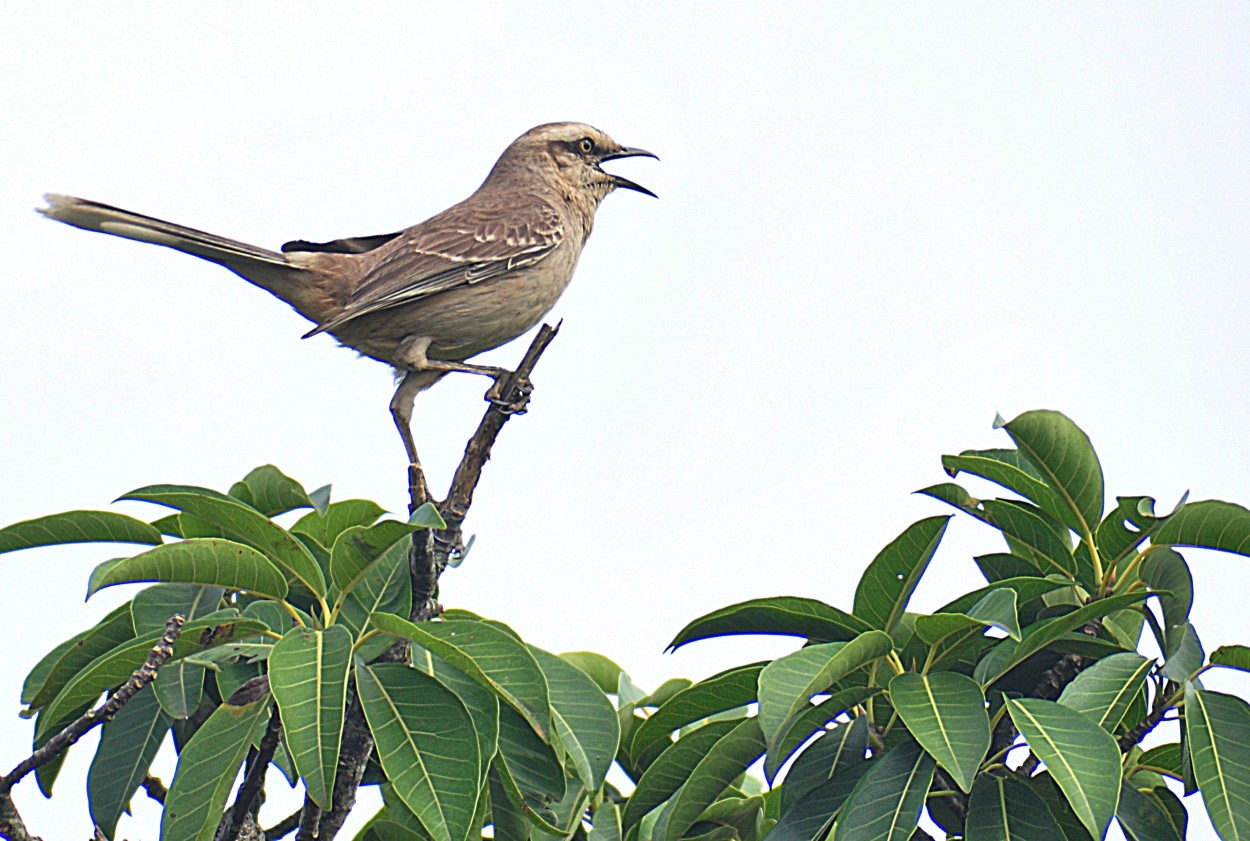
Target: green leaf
(152, 606)
(583, 718)
(945, 712)
(1165, 759)
(308, 678)
(787, 684)
(828, 755)
(206, 770)
(487, 654)
(604, 672)
(1183, 653)
(1082, 757)
(1218, 729)
(1027, 589)
(1002, 809)
(673, 767)
(77, 527)
(725, 691)
(1104, 690)
(809, 816)
(891, 578)
(1064, 456)
(128, 744)
(1009, 653)
(1210, 524)
(359, 548)
(1232, 656)
(1167, 572)
(955, 496)
(482, 704)
(816, 717)
(724, 762)
(886, 803)
(529, 768)
(782, 615)
(112, 668)
(1033, 537)
(996, 609)
(241, 523)
(1124, 528)
(1144, 817)
(427, 745)
(270, 491)
(207, 561)
(52, 674)
(606, 823)
(338, 517)
(1011, 470)
(385, 588)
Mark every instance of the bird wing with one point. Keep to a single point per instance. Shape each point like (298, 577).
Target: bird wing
(474, 241)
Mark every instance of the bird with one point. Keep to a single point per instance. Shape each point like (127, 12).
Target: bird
(425, 299)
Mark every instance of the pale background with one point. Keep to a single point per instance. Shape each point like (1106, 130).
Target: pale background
(878, 226)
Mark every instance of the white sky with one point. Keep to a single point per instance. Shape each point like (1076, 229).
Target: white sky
(878, 226)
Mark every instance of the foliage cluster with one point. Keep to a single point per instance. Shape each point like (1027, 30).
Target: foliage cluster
(1078, 644)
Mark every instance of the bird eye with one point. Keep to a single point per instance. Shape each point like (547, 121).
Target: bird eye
(586, 145)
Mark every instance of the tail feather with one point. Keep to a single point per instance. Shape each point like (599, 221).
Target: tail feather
(94, 216)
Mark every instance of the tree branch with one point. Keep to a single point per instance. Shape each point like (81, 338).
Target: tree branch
(141, 677)
(428, 557)
(284, 827)
(253, 780)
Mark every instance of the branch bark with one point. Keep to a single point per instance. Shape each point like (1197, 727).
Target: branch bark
(429, 556)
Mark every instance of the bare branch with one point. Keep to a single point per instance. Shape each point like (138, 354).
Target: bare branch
(141, 677)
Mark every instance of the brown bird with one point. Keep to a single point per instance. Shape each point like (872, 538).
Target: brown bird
(429, 297)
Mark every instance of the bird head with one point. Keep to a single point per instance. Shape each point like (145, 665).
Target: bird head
(570, 157)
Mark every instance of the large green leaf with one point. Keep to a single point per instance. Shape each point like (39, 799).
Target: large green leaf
(385, 588)
(724, 762)
(77, 527)
(1125, 528)
(1002, 809)
(997, 609)
(115, 666)
(1144, 817)
(829, 754)
(781, 615)
(886, 586)
(1183, 652)
(1218, 731)
(206, 770)
(1033, 537)
(583, 717)
(1232, 656)
(128, 744)
(1010, 653)
(482, 704)
(1064, 456)
(1008, 468)
(1104, 690)
(209, 561)
(52, 673)
(1167, 572)
(945, 712)
(886, 803)
(427, 745)
(491, 656)
(359, 548)
(787, 684)
(270, 491)
(308, 678)
(530, 772)
(1210, 524)
(816, 717)
(241, 523)
(340, 516)
(673, 767)
(178, 686)
(809, 816)
(725, 691)
(1026, 587)
(1081, 756)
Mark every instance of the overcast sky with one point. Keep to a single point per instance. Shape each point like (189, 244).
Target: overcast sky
(878, 226)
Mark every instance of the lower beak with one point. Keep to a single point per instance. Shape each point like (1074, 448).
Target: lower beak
(618, 181)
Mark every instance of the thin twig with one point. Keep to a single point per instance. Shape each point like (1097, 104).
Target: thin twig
(253, 780)
(154, 788)
(284, 827)
(141, 677)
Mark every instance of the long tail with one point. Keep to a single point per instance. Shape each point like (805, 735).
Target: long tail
(93, 216)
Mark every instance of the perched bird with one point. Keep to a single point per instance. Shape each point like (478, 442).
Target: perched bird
(429, 297)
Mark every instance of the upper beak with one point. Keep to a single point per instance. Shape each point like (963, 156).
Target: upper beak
(630, 152)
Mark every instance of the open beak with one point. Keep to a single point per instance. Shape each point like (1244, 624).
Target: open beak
(620, 181)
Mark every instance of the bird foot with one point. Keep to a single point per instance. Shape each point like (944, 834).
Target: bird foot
(516, 406)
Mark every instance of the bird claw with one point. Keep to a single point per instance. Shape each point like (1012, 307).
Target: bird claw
(517, 406)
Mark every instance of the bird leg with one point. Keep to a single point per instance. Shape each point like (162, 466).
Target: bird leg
(412, 352)
(401, 412)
